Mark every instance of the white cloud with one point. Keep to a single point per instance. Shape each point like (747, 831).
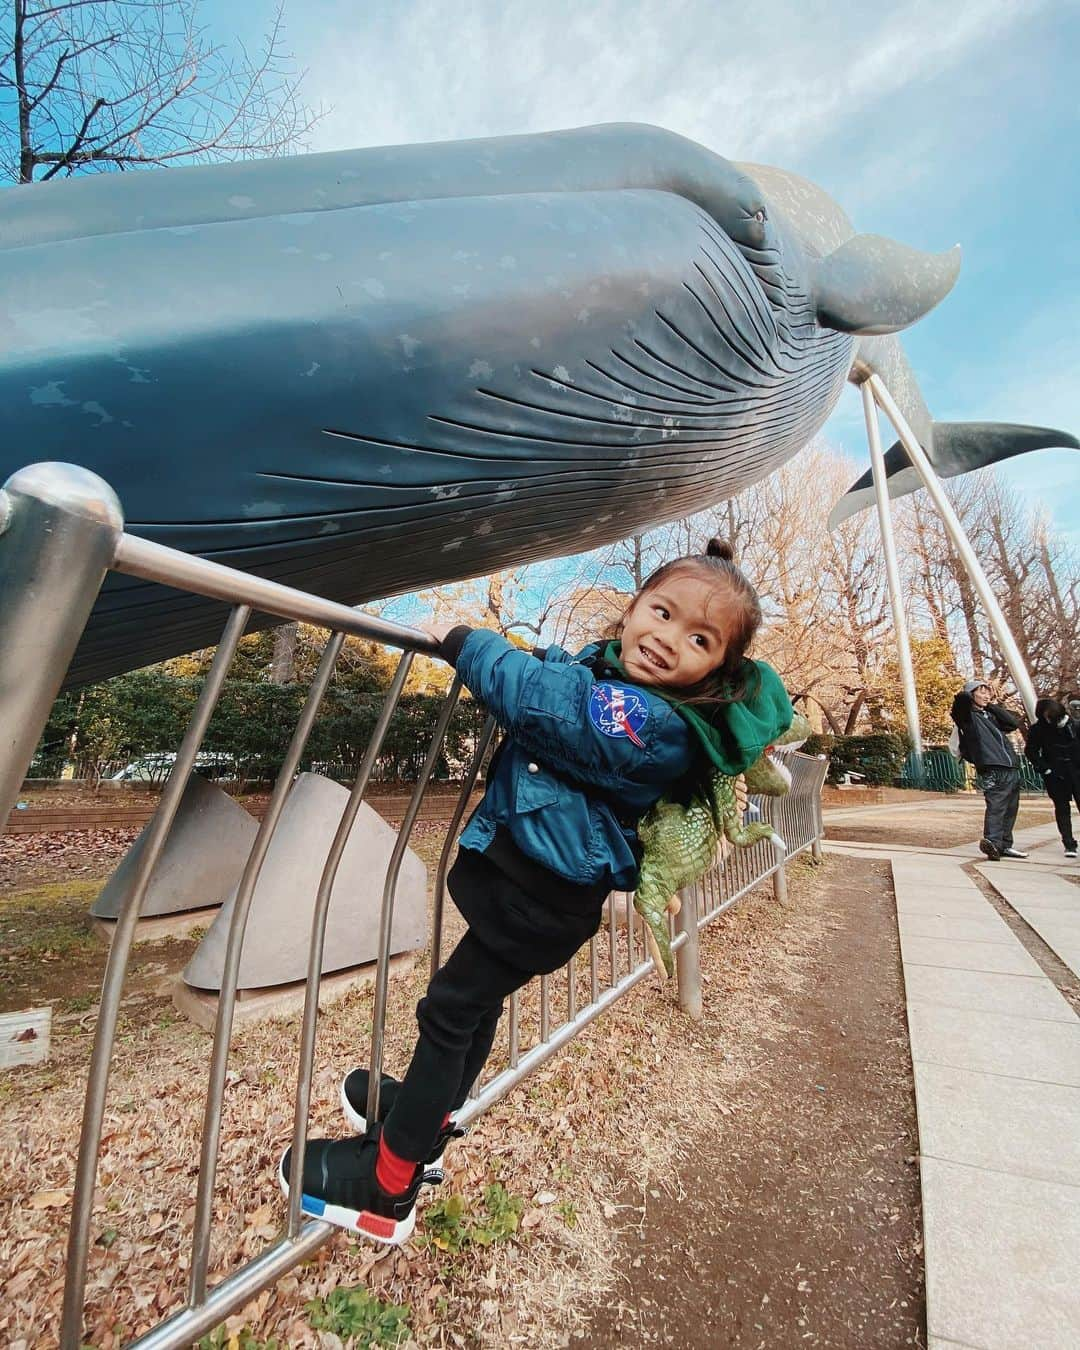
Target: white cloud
(750, 82)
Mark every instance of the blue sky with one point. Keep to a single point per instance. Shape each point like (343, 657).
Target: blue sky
(933, 123)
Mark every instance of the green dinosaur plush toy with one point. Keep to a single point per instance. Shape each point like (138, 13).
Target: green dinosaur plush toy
(680, 841)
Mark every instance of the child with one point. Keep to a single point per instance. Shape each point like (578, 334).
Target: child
(1053, 746)
(591, 743)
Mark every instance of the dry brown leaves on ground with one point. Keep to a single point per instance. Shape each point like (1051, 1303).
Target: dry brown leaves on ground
(600, 1115)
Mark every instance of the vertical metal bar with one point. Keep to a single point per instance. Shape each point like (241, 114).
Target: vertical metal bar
(613, 946)
(484, 740)
(386, 915)
(961, 543)
(59, 530)
(318, 935)
(780, 885)
(594, 971)
(571, 989)
(631, 920)
(892, 573)
(112, 986)
(515, 1052)
(219, 1057)
(688, 956)
(545, 1008)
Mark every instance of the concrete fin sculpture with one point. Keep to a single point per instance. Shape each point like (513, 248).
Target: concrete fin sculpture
(200, 864)
(279, 921)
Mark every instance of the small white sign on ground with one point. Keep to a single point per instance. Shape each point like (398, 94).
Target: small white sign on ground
(24, 1037)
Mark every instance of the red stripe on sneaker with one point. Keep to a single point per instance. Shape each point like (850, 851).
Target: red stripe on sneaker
(376, 1225)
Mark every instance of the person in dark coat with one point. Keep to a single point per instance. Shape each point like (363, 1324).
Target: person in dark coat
(984, 728)
(1053, 746)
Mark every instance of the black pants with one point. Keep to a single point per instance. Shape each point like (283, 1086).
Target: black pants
(512, 936)
(1063, 796)
(1001, 789)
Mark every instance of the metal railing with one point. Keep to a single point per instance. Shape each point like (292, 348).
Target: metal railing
(62, 524)
(941, 771)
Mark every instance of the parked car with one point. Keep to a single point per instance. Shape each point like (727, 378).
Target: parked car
(156, 768)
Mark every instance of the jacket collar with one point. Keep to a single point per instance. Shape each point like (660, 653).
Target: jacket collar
(732, 735)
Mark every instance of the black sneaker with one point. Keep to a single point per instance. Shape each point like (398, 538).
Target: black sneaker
(1070, 850)
(339, 1185)
(1012, 853)
(991, 850)
(354, 1090)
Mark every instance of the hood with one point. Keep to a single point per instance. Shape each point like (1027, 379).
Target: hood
(732, 735)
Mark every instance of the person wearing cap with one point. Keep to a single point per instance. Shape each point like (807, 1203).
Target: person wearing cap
(984, 729)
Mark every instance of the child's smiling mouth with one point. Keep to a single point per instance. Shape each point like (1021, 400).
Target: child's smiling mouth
(652, 658)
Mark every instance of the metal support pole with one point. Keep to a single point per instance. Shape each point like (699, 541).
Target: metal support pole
(779, 885)
(386, 914)
(961, 543)
(892, 573)
(688, 955)
(59, 530)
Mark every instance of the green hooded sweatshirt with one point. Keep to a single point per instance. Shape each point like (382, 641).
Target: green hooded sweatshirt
(734, 734)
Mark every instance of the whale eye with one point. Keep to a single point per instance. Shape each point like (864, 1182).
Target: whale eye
(759, 215)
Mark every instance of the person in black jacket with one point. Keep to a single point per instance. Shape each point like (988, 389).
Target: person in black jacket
(1053, 746)
(984, 728)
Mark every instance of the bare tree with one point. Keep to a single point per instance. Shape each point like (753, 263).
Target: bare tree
(95, 85)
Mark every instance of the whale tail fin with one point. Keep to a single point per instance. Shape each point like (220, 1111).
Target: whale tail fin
(954, 448)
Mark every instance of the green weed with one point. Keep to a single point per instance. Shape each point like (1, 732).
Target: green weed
(451, 1226)
(357, 1313)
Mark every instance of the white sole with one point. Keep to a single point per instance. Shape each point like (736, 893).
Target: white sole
(433, 1171)
(375, 1227)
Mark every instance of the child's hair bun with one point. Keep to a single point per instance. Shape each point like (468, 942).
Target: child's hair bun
(719, 548)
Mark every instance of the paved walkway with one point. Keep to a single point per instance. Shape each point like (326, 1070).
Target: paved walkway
(996, 1055)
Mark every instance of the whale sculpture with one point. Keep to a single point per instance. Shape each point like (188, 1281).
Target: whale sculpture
(365, 372)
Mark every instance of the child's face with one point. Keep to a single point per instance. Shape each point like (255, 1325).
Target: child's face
(675, 633)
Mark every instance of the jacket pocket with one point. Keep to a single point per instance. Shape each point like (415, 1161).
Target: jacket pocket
(535, 788)
(543, 699)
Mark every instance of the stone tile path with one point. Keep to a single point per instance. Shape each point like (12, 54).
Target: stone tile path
(996, 1055)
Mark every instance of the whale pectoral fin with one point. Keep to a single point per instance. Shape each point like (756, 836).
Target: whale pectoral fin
(956, 448)
(873, 285)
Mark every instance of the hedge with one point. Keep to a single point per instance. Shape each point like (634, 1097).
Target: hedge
(108, 725)
(879, 758)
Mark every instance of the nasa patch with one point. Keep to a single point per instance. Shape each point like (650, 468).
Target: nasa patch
(615, 710)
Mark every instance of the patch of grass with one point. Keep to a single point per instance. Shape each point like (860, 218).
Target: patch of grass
(355, 1313)
(80, 1003)
(451, 1226)
(220, 1339)
(45, 897)
(48, 921)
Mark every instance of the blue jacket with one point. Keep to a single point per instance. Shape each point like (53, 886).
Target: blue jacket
(583, 760)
